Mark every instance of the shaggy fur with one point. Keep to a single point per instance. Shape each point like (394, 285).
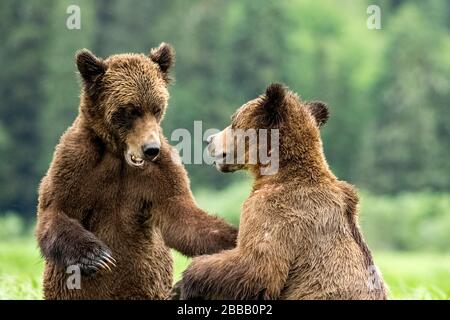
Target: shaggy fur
(113, 220)
(299, 236)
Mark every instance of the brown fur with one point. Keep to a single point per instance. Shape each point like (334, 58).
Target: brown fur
(93, 204)
(298, 237)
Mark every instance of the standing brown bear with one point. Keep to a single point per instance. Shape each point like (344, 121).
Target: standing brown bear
(299, 236)
(116, 197)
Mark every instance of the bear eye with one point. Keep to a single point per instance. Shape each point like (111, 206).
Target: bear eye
(157, 112)
(124, 116)
(133, 112)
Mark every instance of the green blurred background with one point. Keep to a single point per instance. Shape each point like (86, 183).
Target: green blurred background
(388, 91)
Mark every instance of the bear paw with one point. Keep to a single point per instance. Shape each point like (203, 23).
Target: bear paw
(93, 258)
(97, 259)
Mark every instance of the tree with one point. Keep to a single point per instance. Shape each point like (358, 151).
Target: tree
(406, 144)
(25, 34)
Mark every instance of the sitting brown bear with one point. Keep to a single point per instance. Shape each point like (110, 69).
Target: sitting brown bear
(298, 237)
(116, 197)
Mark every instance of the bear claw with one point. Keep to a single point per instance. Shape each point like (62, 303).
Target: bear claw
(98, 259)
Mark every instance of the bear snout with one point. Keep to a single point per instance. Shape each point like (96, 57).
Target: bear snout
(151, 150)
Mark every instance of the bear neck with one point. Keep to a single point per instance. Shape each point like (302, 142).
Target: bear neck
(305, 166)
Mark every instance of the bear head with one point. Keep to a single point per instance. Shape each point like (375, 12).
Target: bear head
(275, 122)
(124, 98)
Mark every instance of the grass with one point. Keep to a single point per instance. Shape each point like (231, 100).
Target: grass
(404, 229)
(410, 275)
(20, 270)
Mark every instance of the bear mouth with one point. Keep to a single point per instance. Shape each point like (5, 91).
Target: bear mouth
(219, 158)
(227, 168)
(134, 161)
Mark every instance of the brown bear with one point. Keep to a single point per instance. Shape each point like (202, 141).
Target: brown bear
(116, 197)
(298, 236)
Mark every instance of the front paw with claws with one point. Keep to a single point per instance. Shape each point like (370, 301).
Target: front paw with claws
(98, 259)
(77, 247)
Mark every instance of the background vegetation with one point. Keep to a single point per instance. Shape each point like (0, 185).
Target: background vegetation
(421, 270)
(388, 91)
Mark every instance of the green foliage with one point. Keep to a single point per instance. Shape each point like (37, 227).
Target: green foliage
(11, 227)
(412, 85)
(415, 275)
(21, 269)
(388, 90)
(408, 221)
(226, 203)
(409, 275)
(411, 221)
(24, 28)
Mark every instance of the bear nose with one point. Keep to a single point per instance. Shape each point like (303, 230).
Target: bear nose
(151, 150)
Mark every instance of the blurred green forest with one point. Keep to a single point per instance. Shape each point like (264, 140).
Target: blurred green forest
(388, 91)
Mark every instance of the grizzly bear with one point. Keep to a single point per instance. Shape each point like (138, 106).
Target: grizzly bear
(298, 236)
(116, 197)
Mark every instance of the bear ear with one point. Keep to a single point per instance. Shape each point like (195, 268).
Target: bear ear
(273, 100)
(89, 66)
(319, 110)
(164, 57)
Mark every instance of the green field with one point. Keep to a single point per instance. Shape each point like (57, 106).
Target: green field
(407, 232)
(409, 275)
